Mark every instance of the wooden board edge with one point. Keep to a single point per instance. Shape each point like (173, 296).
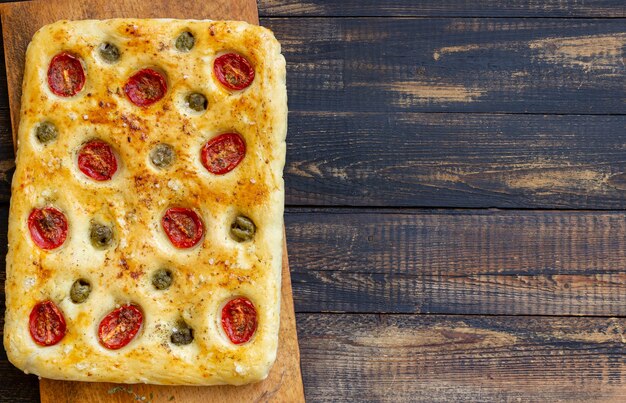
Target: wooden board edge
(14, 115)
(289, 315)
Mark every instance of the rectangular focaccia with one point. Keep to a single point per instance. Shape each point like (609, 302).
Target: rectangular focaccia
(146, 220)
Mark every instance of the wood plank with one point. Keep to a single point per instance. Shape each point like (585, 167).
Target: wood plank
(484, 65)
(444, 358)
(374, 358)
(454, 65)
(461, 262)
(7, 156)
(443, 160)
(443, 8)
(456, 160)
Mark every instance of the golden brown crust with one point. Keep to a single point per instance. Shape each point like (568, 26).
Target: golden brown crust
(205, 277)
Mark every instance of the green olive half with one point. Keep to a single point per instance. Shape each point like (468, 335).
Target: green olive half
(162, 155)
(242, 229)
(80, 291)
(185, 41)
(109, 52)
(101, 235)
(162, 279)
(182, 334)
(46, 132)
(196, 101)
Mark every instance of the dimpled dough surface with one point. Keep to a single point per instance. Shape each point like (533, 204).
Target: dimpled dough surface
(133, 202)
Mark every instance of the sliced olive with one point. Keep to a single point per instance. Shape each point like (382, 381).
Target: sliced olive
(182, 334)
(162, 155)
(196, 101)
(185, 41)
(162, 279)
(101, 235)
(46, 132)
(109, 52)
(242, 229)
(80, 291)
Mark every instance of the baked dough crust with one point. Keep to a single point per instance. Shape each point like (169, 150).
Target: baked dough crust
(134, 200)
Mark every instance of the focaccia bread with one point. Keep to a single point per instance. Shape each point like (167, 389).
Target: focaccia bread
(146, 220)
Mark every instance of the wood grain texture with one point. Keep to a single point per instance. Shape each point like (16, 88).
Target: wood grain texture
(443, 8)
(468, 65)
(19, 22)
(394, 358)
(361, 144)
(459, 262)
(443, 160)
(456, 160)
(454, 65)
(455, 262)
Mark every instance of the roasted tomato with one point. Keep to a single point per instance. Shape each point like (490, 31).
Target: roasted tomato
(119, 327)
(48, 227)
(66, 76)
(182, 226)
(145, 87)
(223, 153)
(97, 160)
(233, 71)
(46, 323)
(239, 320)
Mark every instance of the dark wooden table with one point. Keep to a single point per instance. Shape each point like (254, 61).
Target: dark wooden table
(456, 198)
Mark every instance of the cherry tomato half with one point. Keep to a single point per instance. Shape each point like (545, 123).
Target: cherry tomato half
(145, 87)
(119, 327)
(234, 71)
(182, 226)
(48, 227)
(97, 160)
(223, 153)
(46, 323)
(239, 320)
(66, 76)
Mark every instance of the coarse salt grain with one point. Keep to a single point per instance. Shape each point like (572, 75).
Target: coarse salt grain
(239, 369)
(173, 184)
(81, 366)
(29, 282)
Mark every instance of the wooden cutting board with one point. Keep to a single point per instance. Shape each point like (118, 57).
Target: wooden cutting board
(19, 22)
